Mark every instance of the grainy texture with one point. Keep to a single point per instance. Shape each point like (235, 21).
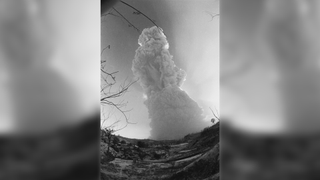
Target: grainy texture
(196, 156)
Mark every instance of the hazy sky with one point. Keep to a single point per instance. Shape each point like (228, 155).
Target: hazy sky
(193, 36)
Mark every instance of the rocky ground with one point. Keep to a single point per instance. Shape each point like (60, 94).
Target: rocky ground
(196, 156)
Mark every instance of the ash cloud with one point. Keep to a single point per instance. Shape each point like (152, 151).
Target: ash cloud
(173, 113)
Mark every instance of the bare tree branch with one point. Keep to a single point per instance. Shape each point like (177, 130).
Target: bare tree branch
(111, 97)
(130, 24)
(136, 12)
(139, 12)
(108, 47)
(212, 16)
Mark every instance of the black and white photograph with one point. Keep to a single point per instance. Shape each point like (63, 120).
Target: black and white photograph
(160, 89)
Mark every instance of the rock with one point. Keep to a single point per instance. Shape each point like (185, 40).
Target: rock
(148, 159)
(160, 154)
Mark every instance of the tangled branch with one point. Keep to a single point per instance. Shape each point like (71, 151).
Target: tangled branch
(136, 12)
(111, 96)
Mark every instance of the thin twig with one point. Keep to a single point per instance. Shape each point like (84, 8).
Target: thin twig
(108, 47)
(140, 13)
(212, 16)
(130, 24)
(214, 114)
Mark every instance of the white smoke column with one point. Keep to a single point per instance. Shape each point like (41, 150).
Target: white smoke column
(173, 113)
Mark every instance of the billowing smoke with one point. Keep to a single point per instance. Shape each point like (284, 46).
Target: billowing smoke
(173, 113)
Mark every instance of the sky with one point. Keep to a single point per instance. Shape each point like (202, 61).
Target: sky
(193, 36)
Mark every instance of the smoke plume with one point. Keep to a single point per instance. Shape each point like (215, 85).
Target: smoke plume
(173, 113)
